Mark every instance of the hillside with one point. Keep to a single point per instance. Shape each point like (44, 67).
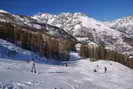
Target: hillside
(125, 26)
(42, 38)
(88, 29)
(28, 22)
(115, 35)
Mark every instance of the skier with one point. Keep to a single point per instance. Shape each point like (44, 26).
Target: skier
(105, 69)
(66, 64)
(95, 70)
(33, 66)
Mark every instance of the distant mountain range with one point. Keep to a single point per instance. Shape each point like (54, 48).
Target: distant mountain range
(115, 35)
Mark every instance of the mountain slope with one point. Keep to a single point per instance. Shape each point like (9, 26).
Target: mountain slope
(28, 22)
(87, 29)
(125, 26)
(82, 27)
(79, 25)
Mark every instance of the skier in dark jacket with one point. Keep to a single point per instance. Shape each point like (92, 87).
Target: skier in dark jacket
(33, 66)
(66, 64)
(105, 69)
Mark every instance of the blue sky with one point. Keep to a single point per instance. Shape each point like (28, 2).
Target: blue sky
(99, 9)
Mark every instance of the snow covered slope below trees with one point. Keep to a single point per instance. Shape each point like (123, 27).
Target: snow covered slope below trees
(80, 74)
(9, 50)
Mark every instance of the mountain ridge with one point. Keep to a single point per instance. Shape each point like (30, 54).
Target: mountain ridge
(88, 29)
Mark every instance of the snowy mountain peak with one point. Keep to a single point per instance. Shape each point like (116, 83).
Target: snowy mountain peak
(124, 21)
(77, 24)
(3, 11)
(88, 29)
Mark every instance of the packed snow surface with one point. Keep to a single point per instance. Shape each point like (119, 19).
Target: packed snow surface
(79, 74)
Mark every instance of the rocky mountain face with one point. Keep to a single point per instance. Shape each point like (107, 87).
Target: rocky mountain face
(115, 35)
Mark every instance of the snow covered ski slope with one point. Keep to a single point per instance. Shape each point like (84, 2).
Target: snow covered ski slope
(15, 72)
